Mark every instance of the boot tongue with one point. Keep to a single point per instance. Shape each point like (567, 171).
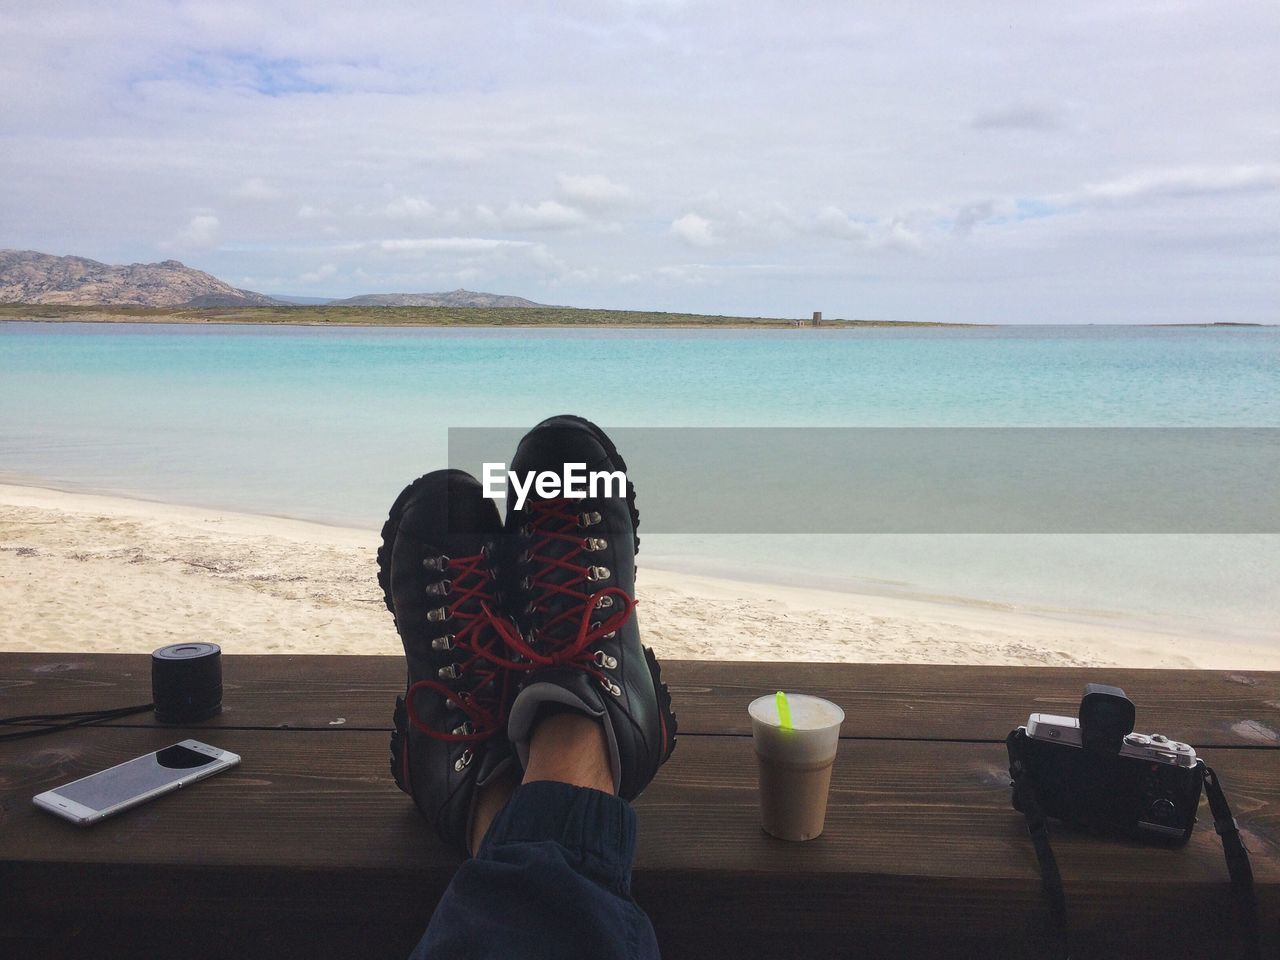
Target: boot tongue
(564, 610)
(449, 523)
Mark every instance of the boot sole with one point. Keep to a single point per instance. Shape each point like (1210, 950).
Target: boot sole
(666, 715)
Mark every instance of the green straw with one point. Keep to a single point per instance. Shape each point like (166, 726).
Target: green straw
(784, 711)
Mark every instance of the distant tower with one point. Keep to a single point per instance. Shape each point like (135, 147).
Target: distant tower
(817, 318)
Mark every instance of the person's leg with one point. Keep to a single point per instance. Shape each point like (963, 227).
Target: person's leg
(552, 875)
(586, 713)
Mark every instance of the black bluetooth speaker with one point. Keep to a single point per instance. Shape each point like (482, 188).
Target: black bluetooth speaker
(186, 682)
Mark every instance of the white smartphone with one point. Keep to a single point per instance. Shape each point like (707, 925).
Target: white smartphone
(128, 784)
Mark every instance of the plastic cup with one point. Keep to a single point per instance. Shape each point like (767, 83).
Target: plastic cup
(795, 763)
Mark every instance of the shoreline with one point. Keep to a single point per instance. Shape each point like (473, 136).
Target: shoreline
(685, 321)
(714, 324)
(85, 572)
(411, 316)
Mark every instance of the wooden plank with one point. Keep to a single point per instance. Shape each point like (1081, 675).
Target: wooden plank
(921, 701)
(305, 785)
(912, 701)
(921, 851)
(304, 692)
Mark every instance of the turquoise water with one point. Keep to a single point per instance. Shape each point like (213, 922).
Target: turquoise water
(328, 424)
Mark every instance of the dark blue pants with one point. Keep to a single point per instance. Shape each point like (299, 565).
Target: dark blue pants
(552, 879)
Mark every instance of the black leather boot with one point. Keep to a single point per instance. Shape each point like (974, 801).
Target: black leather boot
(571, 583)
(435, 567)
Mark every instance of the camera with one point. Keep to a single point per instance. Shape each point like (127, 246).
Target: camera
(1094, 773)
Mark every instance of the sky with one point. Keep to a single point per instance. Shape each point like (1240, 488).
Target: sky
(1090, 162)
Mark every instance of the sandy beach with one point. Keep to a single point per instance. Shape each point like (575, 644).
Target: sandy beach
(107, 574)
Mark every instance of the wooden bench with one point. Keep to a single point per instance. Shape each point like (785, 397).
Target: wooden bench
(307, 849)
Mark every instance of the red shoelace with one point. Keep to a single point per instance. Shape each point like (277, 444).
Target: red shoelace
(565, 638)
(481, 686)
(560, 588)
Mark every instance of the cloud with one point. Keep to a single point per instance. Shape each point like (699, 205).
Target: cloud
(256, 188)
(970, 215)
(1186, 182)
(592, 190)
(892, 233)
(1035, 145)
(323, 272)
(695, 230)
(834, 222)
(1018, 116)
(410, 208)
(547, 215)
(900, 236)
(558, 270)
(691, 273)
(200, 232)
(449, 244)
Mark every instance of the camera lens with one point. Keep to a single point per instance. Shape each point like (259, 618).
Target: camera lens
(1163, 811)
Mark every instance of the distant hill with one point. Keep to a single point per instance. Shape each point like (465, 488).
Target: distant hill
(302, 301)
(454, 298)
(30, 277)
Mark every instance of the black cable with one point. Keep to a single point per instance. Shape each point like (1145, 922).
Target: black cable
(46, 723)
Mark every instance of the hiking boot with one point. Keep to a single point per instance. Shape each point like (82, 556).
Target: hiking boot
(571, 580)
(434, 567)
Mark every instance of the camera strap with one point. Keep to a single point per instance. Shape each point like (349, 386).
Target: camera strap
(1238, 866)
(1025, 799)
(40, 724)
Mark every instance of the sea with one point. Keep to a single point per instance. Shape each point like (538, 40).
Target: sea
(328, 424)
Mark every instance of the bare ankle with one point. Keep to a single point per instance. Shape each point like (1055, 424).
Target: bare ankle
(570, 747)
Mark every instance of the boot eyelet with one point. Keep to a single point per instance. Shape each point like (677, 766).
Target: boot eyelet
(602, 659)
(526, 531)
(603, 603)
(596, 574)
(526, 583)
(610, 635)
(440, 589)
(449, 672)
(611, 687)
(485, 551)
(438, 614)
(443, 643)
(464, 729)
(588, 518)
(462, 762)
(595, 544)
(523, 559)
(435, 563)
